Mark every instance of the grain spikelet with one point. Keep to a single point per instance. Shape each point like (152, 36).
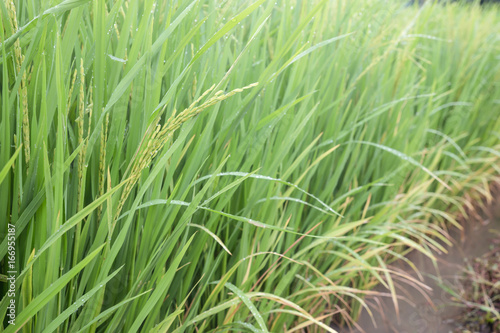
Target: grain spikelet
(80, 123)
(23, 91)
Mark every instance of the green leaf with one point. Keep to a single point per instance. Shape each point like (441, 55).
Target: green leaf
(249, 305)
(49, 293)
(161, 288)
(6, 168)
(79, 303)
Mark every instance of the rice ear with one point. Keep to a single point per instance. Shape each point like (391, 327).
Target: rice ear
(161, 135)
(23, 91)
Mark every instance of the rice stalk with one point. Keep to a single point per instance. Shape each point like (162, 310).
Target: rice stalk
(102, 161)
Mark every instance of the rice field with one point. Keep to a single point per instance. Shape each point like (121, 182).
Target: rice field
(245, 166)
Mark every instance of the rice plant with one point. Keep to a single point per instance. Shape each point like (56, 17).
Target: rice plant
(243, 165)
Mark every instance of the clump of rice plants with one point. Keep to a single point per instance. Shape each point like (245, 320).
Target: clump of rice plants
(253, 165)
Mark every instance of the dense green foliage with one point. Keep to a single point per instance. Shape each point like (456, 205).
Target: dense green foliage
(146, 199)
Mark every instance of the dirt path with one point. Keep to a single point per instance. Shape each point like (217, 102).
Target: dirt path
(421, 316)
